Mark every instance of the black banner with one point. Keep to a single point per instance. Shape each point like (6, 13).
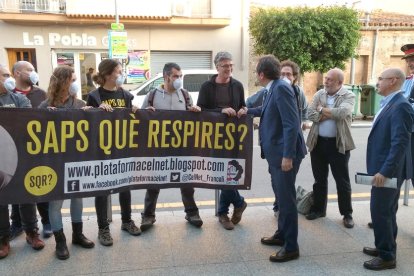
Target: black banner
(67, 153)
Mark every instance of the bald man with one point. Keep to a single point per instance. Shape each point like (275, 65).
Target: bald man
(330, 142)
(387, 148)
(26, 80)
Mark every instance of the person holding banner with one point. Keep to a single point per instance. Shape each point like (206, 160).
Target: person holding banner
(170, 96)
(62, 94)
(107, 96)
(224, 94)
(8, 99)
(26, 80)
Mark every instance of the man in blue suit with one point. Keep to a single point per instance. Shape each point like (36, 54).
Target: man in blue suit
(282, 145)
(388, 145)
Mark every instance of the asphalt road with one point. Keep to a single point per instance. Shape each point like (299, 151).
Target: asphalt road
(261, 190)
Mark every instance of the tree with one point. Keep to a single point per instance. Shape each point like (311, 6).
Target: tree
(317, 39)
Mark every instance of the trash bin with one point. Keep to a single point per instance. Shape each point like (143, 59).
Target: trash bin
(370, 100)
(356, 89)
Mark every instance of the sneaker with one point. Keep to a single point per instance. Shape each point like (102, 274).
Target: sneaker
(32, 238)
(147, 222)
(104, 236)
(194, 220)
(237, 213)
(47, 231)
(348, 221)
(225, 221)
(15, 231)
(131, 228)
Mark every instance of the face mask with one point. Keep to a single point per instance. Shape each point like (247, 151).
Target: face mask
(73, 88)
(287, 80)
(120, 80)
(178, 83)
(10, 84)
(34, 77)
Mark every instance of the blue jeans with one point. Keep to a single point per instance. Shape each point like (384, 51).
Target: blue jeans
(226, 198)
(55, 214)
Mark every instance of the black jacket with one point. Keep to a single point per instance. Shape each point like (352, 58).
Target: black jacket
(207, 95)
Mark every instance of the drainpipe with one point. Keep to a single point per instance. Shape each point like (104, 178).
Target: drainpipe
(373, 59)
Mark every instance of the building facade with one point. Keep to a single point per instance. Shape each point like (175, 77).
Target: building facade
(50, 33)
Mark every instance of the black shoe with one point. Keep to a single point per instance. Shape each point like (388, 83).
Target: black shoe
(194, 220)
(348, 221)
(370, 226)
(314, 215)
(371, 251)
(147, 222)
(283, 256)
(272, 240)
(379, 264)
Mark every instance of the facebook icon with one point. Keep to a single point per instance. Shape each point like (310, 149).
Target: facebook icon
(73, 186)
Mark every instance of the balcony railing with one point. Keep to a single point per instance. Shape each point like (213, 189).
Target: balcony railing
(33, 6)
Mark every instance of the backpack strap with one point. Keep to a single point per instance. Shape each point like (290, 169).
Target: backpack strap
(151, 96)
(186, 96)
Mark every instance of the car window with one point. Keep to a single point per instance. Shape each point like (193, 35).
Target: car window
(193, 82)
(156, 83)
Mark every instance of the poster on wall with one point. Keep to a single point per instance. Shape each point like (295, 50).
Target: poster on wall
(65, 59)
(138, 67)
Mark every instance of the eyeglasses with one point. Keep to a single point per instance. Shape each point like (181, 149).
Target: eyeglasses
(226, 66)
(381, 78)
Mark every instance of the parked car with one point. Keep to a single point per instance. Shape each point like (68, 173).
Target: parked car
(192, 81)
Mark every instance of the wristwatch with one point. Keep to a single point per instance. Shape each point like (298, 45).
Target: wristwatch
(320, 110)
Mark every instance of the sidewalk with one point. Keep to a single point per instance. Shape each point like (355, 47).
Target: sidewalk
(173, 247)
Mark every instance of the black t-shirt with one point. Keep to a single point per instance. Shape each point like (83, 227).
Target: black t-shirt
(113, 98)
(223, 97)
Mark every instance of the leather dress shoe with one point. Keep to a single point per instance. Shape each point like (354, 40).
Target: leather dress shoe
(379, 264)
(272, 240)
(314, 215)
(284, 256)
(348, 222)
(371, 251)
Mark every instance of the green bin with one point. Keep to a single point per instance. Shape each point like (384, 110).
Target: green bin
(356, 89)
(370, 100)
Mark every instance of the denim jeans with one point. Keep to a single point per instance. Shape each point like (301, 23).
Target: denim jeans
(187, 195)
(101, 206)
(228, 197)
(55, 214)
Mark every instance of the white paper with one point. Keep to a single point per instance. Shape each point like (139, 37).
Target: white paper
(365, 179)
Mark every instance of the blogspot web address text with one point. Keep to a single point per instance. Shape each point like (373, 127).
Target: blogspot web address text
(88, 176)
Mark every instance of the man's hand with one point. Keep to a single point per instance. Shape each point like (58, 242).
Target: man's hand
(242, 112)
(229, 111)
(195, 108)
(106, 107)
(378, 180)
(287, 164)
(151, 108)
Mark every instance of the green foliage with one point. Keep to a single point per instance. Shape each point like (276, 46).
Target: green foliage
(317, 39)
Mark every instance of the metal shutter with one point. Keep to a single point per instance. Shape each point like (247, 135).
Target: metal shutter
(186, 60)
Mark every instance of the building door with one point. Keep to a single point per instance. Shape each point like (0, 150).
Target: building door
(15, 55)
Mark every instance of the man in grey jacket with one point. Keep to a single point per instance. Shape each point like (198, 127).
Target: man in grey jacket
(330, 142)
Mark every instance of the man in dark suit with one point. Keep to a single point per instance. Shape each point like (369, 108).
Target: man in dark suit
(388, 145)
(282, 145)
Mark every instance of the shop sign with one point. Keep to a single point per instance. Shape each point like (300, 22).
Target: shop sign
(56, 39)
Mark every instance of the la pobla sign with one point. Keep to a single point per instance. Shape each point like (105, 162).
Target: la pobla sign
(68, 40)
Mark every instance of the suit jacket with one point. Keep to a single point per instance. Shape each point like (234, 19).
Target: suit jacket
(389, 139)
(280, 132)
